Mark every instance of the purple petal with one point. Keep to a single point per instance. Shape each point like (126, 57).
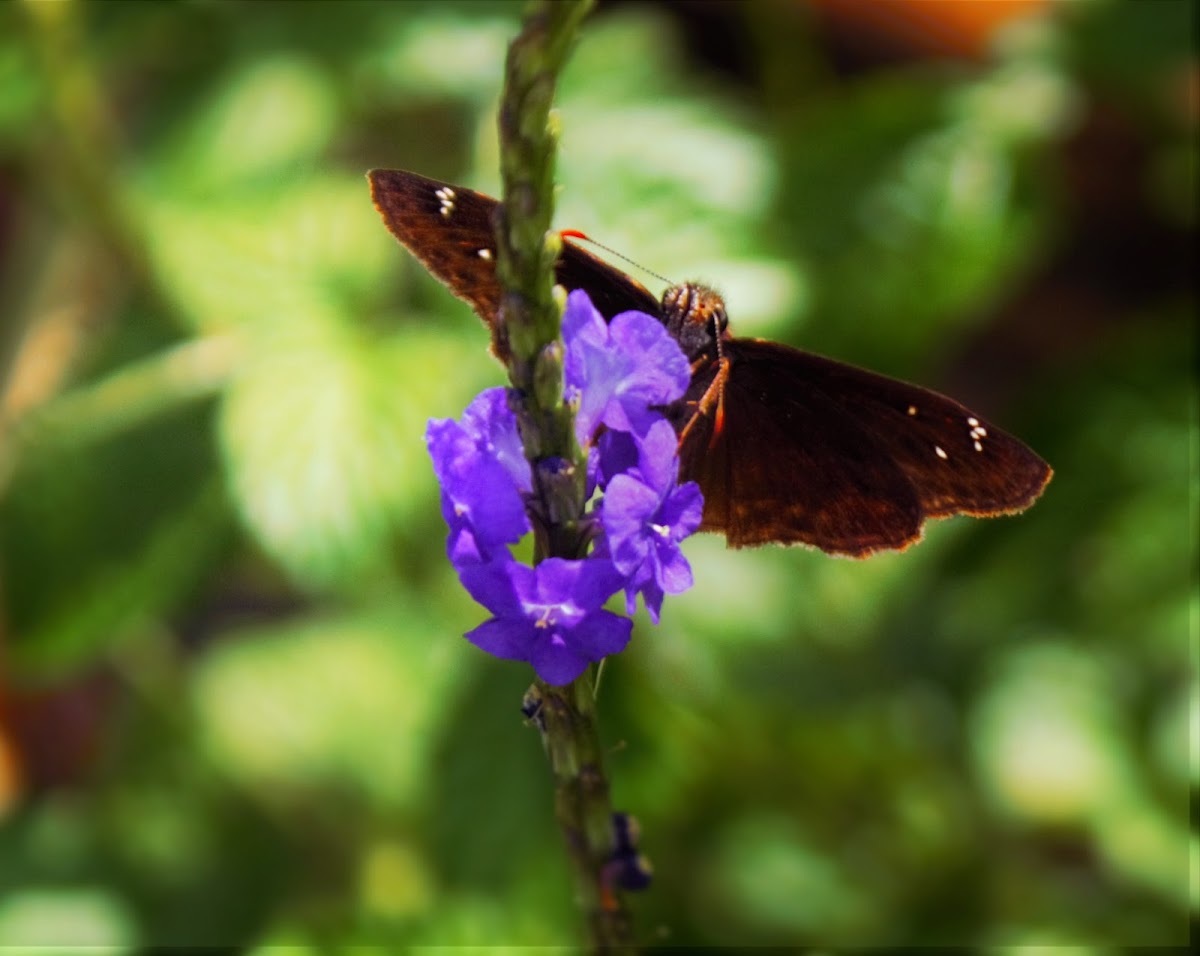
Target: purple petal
(587, 363)
(595, 471)
(600, 371)
(477, 489)
(493, 426)
(663, 371)
(658, 459)
(683, 510)
(628, 504)
(492, 504)
(600, 634)
(582, 322)
(674, 574)
(461, 547)
(448, 445)
(555, 579)
(582, 585)
(510, 639)
(619, 369)
(555, 662)
(497, 585)
(652, 596)
(618, 453)
(562, 654)
(628, 507)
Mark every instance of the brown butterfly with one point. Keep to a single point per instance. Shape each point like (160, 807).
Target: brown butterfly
(787, 447)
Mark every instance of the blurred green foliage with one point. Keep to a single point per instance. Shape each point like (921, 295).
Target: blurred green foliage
(236, 706)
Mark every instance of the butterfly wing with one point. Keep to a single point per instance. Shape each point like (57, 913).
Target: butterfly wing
(449, 229)
(812, 451)
(809, 451)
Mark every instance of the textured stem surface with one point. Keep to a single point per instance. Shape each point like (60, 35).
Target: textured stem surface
(531, 322)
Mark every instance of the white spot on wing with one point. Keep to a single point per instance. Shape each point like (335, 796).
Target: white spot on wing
(978, 433)
(912, 409)
(941, 453)
(485, 254)
(446, 197)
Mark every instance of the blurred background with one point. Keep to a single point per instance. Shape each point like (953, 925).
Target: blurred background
(235, 705)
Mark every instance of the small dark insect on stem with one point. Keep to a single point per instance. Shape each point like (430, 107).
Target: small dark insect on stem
(530, 322)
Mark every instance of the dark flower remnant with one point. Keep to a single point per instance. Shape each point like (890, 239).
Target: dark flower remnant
(619, 375)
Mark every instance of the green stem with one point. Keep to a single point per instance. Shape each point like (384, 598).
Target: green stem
(531, 321)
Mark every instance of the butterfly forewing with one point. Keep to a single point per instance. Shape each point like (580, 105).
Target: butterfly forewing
(958, 462)
(450, 230)
(790, 465)
(813, 451)
(804, 450)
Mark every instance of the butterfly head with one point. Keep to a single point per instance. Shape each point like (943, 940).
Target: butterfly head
(695, 315)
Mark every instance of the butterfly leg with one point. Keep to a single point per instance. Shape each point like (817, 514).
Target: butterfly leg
(711, 402)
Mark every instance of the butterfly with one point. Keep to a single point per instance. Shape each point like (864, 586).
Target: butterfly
(788, 447)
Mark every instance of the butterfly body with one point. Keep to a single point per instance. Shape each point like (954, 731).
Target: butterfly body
(788, 447)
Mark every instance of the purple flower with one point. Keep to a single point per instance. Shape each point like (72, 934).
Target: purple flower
(646, 516)
(617, 452)
(492, 424)
(481, 482)
(620, 369)
(551, 615)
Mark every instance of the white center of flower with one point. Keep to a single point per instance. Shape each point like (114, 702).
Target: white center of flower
(662, 530)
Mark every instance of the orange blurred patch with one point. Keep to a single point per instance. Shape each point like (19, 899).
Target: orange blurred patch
(959, 28)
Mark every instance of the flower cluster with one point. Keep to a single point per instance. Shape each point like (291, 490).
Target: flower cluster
(617, 374)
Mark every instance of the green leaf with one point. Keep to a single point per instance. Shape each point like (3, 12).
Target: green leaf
(323, 441)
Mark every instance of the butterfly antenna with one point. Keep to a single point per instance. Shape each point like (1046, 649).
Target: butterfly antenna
(576, 234)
